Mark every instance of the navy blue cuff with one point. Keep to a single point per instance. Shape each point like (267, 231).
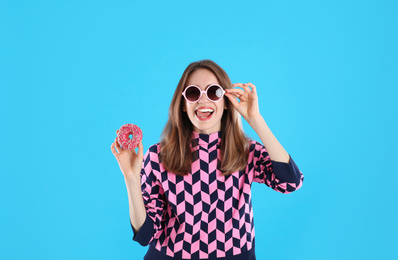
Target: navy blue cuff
(144, 235)
(287, 172)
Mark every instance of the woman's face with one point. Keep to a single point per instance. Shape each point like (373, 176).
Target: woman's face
(204, 114)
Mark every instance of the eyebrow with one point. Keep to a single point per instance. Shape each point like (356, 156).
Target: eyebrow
(206, 86)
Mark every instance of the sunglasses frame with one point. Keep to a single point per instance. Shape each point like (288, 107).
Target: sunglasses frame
(203, 91)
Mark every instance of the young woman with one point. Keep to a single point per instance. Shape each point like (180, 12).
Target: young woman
(190, 195)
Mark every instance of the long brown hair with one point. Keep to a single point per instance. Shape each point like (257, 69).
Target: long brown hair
(176, 137)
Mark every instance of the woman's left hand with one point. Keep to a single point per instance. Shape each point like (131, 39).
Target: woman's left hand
(248, 105)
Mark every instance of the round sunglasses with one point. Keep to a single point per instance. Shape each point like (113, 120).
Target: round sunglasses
(193, 93)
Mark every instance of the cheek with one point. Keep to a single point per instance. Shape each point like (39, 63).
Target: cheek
(222, 105)
(186, 106)
(189, 109)
(220, 109)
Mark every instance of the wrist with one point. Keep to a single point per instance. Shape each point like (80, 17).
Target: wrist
(255, 121)
(133, 179)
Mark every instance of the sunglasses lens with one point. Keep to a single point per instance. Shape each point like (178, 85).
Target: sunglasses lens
(214, 93)
(192, 94)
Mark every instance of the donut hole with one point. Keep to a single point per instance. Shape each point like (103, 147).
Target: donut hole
(130, 136)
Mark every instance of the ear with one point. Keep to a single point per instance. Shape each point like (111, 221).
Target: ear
(184, 108)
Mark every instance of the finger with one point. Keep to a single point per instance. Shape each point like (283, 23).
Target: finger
(113, 149)
(237, 85)
(246, 88)
(140, 149)
(253, 88)
(236, 95)
(117, 146)
(232, 99)
(235, 91)
(251, 93)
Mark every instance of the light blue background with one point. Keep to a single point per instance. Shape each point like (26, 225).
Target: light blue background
(73, 72)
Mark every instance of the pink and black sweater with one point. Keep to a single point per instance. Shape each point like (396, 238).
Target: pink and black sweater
(206, 215)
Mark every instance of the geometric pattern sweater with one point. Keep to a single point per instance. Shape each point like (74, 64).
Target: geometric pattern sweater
(206, 215)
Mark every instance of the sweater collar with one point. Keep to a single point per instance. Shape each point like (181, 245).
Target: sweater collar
(206, 140)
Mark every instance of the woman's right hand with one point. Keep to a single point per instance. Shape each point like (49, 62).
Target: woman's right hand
(130, 161)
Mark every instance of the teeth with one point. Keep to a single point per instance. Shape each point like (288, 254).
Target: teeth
(205, 110)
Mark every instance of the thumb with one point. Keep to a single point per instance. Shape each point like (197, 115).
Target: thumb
(140, 149)
(233, 99)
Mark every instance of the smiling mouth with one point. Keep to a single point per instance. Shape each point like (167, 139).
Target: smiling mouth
(204, 113)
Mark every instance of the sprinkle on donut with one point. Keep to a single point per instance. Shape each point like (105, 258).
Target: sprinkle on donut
(124, 133)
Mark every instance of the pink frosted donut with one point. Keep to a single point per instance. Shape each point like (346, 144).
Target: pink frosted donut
(124, 139)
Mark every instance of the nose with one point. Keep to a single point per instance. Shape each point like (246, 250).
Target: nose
(203, 98)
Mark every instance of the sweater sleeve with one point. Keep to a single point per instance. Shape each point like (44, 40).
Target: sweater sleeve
(154, 199)
(280, 176)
